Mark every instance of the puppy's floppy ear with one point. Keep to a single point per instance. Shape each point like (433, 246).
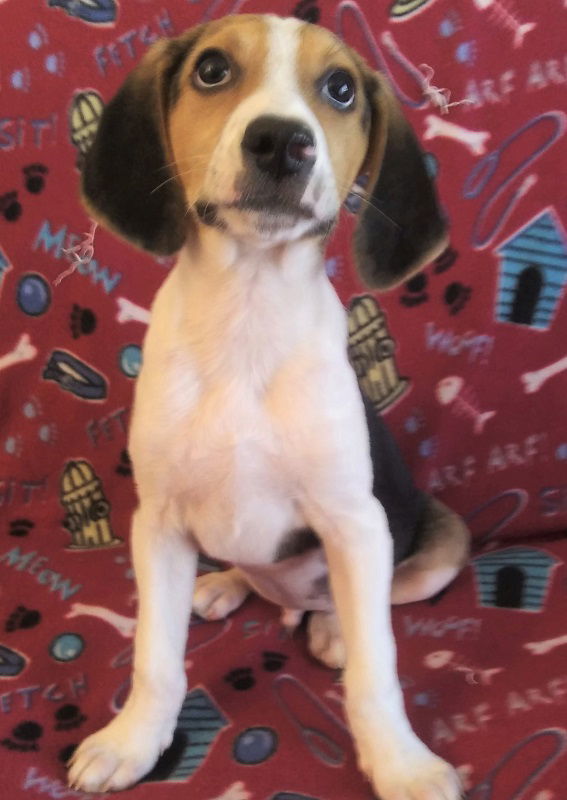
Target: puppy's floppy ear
(402, 227)
(128, 181)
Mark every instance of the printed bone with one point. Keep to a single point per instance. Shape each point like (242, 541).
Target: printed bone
(533, 381)
(23, 351)
(474, 141)
(124, 625)
(130, 312)
(540, 648)
(236, 791)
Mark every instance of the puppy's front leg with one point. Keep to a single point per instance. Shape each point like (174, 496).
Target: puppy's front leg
(359, 552)
(165, 563)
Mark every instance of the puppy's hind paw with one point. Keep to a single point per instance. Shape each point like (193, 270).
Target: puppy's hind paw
(218, 593)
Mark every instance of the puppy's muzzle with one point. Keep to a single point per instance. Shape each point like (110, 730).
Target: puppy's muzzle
(279, 147)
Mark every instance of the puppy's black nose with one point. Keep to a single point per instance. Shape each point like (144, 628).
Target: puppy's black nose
(279, 146)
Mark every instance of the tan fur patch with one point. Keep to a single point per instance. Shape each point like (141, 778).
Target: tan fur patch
(346, 133)
(198, 118)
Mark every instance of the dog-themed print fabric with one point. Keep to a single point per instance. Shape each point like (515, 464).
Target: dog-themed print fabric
(467, 362)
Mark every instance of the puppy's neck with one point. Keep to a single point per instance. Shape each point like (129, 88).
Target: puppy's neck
(214, 255)
(243, 310)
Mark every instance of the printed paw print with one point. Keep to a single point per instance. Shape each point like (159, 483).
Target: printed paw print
(34, 177)
(125, 466)
(22, 617)
(13, 446)
(272, 662)
(68, 717)
(83, 321)
(426, 699)
(241, 679)
(66, 753)
(466, 53)
(20, 527)
(415, 422)
(456, 296)
(32, 408)
(450, 24)
(307, 10)
(445, 261)
(38, 37)
(415, 293)
(20, 79)
(24, 737)
(428, 448)
(10, 206)
(55, 63)
(47, 431)
(333, 266)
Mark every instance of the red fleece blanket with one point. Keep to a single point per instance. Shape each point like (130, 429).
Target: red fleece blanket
(467, 361)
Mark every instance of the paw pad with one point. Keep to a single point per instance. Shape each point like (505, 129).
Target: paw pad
(10, 206)
(272, 662)
(24, 737)
(83, 321)
(241, 679)
(20, 527)
(307, 10)
(34, 175)
(22, 617)
(125, 465)
(68, 717)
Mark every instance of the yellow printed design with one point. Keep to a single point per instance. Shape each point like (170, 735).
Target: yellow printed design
(87, 518)
(402, 9)
(84, 116)
(371, 353)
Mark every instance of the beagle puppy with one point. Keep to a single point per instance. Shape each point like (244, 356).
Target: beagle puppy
(235, 146)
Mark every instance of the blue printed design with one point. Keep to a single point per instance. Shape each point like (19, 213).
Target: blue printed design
(517, 577)
(11, 662)
(97, 12)
(5, 267)
(533, 272)
(200, 721)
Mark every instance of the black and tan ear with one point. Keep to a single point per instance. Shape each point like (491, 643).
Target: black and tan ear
(128, 182)
(402, 227)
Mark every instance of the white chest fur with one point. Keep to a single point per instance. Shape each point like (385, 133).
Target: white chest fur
(231, 353)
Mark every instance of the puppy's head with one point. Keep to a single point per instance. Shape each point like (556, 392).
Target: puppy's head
(260, 126)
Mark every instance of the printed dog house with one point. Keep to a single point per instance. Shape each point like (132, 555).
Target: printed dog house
(516, 577)
(198, 725)
(533, 272)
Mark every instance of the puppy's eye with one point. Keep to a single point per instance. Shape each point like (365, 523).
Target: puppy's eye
(339, 89)
(212, 69)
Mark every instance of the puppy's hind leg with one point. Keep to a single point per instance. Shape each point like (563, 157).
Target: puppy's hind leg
(219, 593)
(442, 552)
(165, 562)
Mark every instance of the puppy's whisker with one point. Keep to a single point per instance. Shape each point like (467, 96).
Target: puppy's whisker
(177, 162)
(172, 178)
(361, 195)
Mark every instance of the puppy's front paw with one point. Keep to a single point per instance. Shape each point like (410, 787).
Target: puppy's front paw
(114, 758)
(422, 776)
